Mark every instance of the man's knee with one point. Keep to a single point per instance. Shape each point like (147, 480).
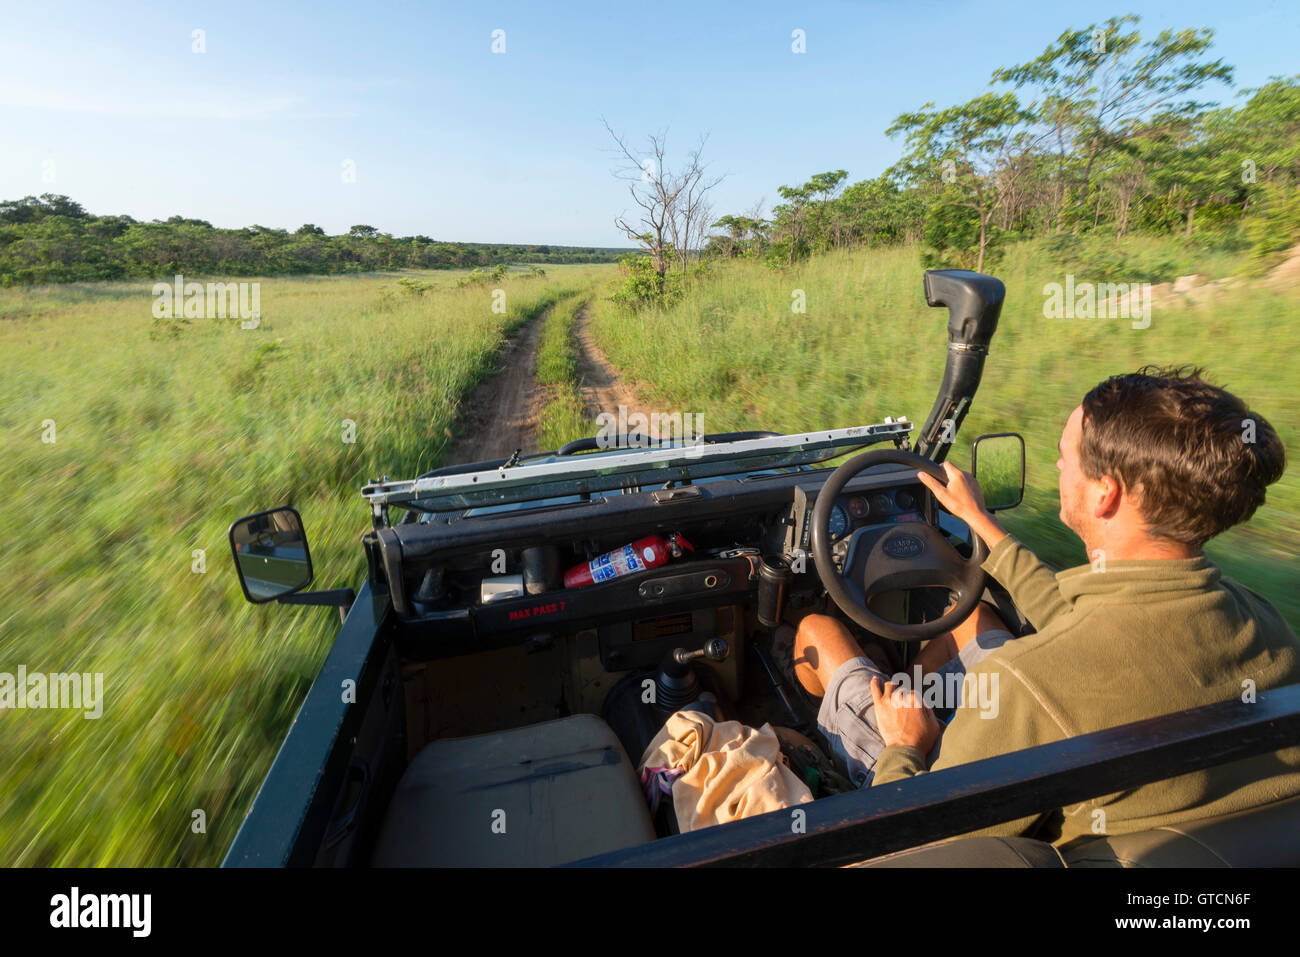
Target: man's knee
(815, 637)
(821, 645)
(983, 618)
(814, 627)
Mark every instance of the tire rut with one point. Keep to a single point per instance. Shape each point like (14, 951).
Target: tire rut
(601, 386)
(500, 414)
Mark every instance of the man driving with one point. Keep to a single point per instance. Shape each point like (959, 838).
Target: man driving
(1152, 465)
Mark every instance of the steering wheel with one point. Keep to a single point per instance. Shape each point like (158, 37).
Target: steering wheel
(881, 559)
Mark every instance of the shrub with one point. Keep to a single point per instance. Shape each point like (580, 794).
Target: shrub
(642, 287)
(1275, 228)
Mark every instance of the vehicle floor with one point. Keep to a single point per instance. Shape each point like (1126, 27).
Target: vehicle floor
(512, 687)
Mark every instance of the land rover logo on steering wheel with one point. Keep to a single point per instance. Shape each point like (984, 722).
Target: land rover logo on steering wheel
(903, 546)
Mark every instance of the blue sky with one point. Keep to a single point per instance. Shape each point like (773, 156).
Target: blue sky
(107, 102)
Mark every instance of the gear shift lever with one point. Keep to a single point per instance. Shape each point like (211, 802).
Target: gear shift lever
(715, 649)
(676, 685)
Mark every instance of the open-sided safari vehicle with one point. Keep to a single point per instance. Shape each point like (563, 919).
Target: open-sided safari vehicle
(476, 711)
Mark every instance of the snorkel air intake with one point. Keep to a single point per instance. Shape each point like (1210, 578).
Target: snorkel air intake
(974, 303)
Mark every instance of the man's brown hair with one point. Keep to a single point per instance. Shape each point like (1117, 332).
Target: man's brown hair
(1196, 458)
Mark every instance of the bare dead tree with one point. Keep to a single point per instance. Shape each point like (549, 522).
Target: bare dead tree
(651, 193)
(673, 210)
(691, 217)
(700, 218)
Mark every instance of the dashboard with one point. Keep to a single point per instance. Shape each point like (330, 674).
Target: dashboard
(885, 507)
(908, 502)
(438, 565)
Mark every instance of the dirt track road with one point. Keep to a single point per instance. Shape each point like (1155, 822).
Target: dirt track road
(500, 414)
(603, 389)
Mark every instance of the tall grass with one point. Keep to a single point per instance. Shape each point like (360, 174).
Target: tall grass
(867, 347)
(564, 416)
(115, 554)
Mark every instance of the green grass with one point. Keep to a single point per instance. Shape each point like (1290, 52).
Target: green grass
(565, 416)
(164, 434)
(869, 347)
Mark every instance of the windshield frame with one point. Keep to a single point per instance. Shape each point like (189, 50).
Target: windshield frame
(621, 468)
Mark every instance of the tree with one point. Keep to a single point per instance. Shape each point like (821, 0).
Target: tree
(790, 222)
(809, 218)
(1261, 139)
(878, 211)
(1129, 175)
(674, 211)
(1097, 86)
(963, 153)
(736, 228)
(828, 226)
(31, 209)
(1260, 144)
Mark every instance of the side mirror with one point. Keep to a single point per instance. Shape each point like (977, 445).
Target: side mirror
(998, 463)
(270, 550)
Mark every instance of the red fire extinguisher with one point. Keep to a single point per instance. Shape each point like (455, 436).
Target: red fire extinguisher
(642, 554)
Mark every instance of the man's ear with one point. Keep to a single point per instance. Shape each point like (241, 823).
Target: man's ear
(1109, 495)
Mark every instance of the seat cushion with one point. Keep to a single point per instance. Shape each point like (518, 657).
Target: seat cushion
(1267, 836)
(544, 794)
(974, 852)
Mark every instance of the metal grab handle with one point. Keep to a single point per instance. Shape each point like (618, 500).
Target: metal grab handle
(341, 825)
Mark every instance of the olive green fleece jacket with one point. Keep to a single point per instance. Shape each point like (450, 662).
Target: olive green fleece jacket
(1135, 640)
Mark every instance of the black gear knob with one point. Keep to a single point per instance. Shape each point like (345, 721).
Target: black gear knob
(715, 649)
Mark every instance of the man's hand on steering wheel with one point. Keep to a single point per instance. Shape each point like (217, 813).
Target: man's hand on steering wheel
(963, 498)
(894, 557)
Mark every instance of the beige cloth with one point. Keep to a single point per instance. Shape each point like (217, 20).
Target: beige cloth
(731, 770)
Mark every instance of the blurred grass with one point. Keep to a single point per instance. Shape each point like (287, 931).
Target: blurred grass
(565, 416)
(869, 347)
(165, 433)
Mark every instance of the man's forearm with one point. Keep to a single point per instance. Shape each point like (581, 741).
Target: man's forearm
(986, 527)
(1032, 585)
(897, 763)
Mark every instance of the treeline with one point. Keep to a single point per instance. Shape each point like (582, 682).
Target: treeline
(1102, 135)
(50, 239)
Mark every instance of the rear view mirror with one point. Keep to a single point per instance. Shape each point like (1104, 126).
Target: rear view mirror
(998, 463)
(270, 550)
